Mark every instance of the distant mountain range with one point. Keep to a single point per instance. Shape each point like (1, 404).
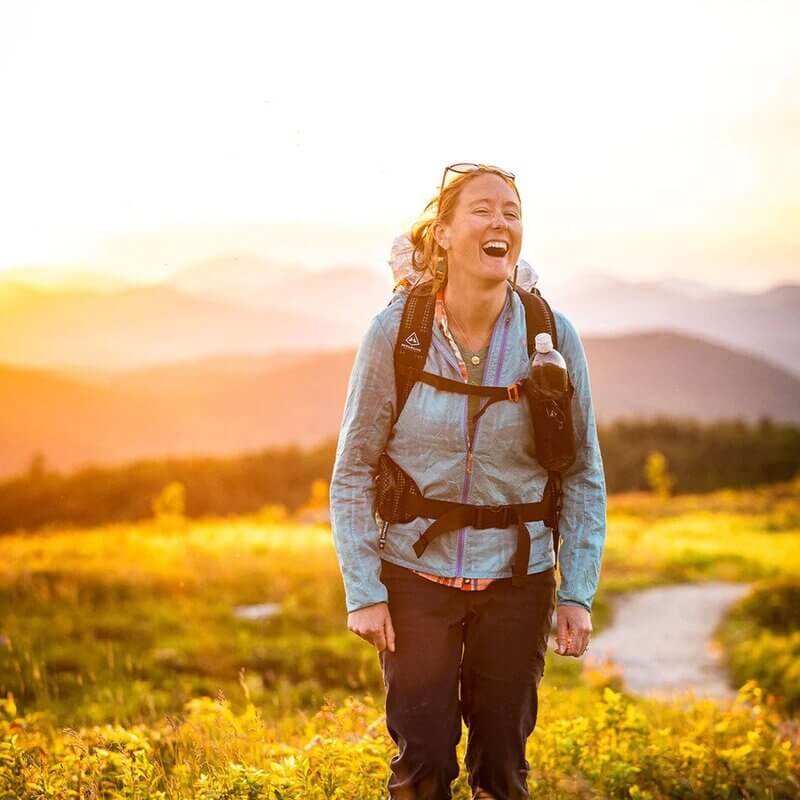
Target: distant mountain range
(764, 323)
(145, 325)
(341, 295)
(227, 405)
(662, 373)
(243, 304)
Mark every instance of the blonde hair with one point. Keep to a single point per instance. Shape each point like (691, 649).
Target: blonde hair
(427, 254)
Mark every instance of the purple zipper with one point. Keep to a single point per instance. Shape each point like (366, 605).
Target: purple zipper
(467, 474)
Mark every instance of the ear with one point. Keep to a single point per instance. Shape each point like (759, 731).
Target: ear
(442, 235)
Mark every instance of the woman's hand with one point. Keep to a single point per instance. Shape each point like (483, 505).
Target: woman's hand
(574, 630)
(373, 623)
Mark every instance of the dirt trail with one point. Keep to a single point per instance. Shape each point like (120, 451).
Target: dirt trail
(661, 638)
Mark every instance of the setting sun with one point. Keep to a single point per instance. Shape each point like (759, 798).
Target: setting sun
(649, 142)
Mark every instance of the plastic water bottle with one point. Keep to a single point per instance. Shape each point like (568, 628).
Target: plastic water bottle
(548, 370)
(549, 394)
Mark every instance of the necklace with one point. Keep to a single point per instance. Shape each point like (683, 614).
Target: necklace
(475, 358)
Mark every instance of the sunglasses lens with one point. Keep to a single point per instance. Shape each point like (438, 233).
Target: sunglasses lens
(463, 168)
(505, 172)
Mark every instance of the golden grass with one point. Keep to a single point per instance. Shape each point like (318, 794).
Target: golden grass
(126, 633)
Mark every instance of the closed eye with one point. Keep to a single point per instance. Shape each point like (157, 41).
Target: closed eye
(511, 214)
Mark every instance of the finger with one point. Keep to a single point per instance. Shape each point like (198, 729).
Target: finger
(562, 636)
(583, 642)
(579, 641)
(378, 639)
(572, 649)
(389, 632)
(570, 642)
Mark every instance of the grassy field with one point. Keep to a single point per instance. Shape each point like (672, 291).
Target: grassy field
(128, 674)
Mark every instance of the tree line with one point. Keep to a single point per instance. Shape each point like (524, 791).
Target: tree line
(697, 457)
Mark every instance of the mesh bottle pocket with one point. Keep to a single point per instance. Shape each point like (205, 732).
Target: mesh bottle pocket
(554, 436)
(393, 486)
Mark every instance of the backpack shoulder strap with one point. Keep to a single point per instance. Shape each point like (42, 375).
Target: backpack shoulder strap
(539, 317)
(413, 340)
(416, 329)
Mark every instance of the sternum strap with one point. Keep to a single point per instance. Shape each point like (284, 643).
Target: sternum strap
(458, 387)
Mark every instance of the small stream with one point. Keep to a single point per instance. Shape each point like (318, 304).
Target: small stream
(660, 638)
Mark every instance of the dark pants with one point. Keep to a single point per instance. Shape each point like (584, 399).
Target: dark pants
(491, 644)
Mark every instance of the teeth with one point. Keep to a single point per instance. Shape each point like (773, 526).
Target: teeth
(497, 243)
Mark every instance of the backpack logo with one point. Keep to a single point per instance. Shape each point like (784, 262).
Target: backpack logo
(412, 341)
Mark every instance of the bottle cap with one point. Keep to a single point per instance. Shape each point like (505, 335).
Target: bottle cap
(544, 343)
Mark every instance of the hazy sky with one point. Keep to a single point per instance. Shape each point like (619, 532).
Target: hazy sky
(649, 139)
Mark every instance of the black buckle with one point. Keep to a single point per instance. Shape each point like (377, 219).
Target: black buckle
(491, 517)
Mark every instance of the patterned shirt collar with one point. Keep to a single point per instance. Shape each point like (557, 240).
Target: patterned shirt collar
(440, 318)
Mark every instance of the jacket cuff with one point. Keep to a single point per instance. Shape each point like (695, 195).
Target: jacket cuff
(573, 603)
(358, 604)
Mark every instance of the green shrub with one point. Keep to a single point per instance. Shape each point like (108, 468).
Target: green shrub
(761, 637)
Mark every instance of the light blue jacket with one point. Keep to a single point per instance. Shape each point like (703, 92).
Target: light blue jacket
(429, 442)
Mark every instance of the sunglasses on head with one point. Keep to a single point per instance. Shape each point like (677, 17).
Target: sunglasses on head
(464, 168)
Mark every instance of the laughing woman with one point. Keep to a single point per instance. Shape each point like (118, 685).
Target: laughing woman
(443, 518)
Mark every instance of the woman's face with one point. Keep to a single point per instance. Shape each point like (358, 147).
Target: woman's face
(484, 237)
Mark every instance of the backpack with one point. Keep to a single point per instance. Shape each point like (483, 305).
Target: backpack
(398, 499)
(416, 329)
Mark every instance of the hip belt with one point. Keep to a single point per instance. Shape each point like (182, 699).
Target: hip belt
(453, 516)
(401, 501)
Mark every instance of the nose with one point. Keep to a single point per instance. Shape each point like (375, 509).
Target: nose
(499, 220)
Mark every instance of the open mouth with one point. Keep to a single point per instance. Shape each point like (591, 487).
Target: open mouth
(495, 248)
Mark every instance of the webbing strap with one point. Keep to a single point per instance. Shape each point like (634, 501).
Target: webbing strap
(459, 387)
(451, 516)
(519, 568)
(538, 318)
(556, 493)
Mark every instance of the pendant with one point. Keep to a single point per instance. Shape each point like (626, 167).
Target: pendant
(476, 360)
